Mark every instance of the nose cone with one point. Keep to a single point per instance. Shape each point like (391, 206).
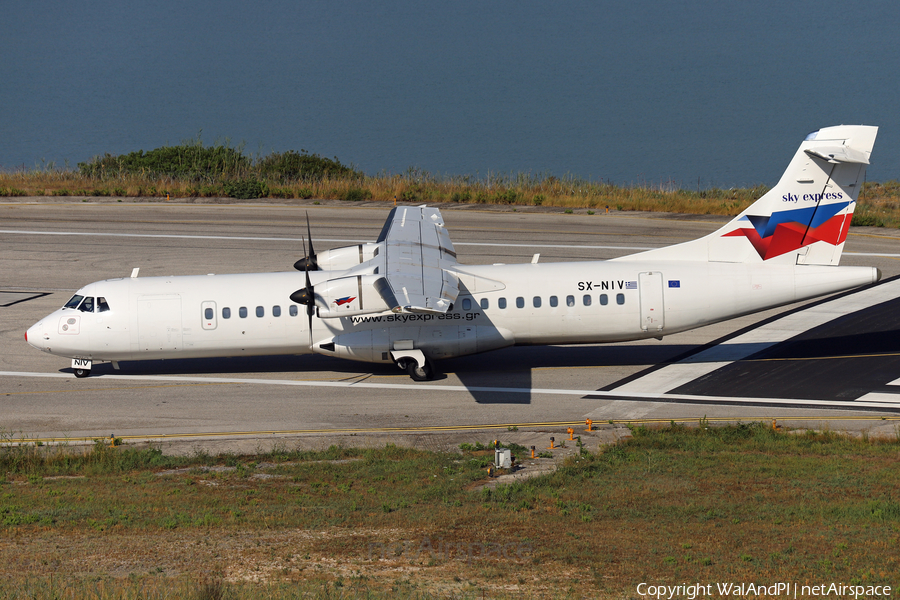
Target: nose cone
(35, 336)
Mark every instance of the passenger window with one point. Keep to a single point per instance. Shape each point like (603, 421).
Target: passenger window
(620, 298)
(87, 305)
(276, 311)
(554, 301)
(604, 299)
(485, 304)
(586, 300)
(501, 303)
(102, 306)
(467, 304)
(242, 312)
(536, 301)
(226, 313)
(208, 314)
(260, 311)
(74, 301)
(570, 300)
(520, 302)
(293, 310)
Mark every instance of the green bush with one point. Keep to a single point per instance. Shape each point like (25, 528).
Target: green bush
(357, 194)
(246, 189)
(293, 165)
(866, 220)
(191, 160)
(280, 193)
(506, 197)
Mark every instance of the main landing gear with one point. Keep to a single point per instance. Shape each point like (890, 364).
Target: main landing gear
(82, 372)
(418, 372)
(414, 362)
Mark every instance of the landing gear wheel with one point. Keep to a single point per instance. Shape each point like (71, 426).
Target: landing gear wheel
(420, 373)
(82, 372)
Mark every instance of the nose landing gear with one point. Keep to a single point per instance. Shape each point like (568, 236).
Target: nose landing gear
(82, 366)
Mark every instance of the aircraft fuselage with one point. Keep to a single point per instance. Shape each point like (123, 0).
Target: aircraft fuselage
(498, 305)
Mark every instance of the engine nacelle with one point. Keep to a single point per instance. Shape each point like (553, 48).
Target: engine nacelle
(350, 296)
(341, 259)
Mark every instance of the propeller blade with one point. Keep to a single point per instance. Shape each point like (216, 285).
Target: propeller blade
(311, 294)
(312, 253)
(307, 295)
(308, 261)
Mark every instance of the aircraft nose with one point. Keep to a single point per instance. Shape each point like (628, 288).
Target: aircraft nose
(35, 336)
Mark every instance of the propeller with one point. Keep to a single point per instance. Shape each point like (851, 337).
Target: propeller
(307, 294)
(309, 261)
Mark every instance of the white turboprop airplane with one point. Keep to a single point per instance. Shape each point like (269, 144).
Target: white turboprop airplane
(405, 299)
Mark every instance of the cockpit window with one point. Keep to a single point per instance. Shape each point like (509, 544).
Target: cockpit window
(102, 305)
(74, 302)
(87, 305)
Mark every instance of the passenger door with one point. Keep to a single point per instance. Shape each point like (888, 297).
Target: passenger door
(650, 285)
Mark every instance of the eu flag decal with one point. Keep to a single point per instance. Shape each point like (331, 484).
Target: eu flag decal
(674, 283)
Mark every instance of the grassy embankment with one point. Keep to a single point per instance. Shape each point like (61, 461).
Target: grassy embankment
(702, 504)
(193, 170)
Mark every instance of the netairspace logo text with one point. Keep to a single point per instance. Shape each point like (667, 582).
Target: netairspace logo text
(784, 590)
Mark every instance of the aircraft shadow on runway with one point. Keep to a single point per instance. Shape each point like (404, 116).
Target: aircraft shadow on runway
(820, 365)
(509, 368)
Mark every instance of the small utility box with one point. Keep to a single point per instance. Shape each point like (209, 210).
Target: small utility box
(502, 458)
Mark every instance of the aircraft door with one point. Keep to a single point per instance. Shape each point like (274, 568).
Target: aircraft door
(650, 286)
(159, 323)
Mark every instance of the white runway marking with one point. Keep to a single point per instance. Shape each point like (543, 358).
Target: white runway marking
(283, 239)
(351, 241)
(758, 339)
(420, 387)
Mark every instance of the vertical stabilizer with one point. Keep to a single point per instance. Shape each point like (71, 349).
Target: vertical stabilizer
(804, 219)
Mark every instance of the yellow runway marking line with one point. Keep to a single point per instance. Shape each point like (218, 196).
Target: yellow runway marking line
(441, 428)
(874, 236)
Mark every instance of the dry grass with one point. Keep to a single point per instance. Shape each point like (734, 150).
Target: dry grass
(673, 505)
(879, 204)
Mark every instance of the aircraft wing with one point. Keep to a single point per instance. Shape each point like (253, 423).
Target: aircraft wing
(418, 253)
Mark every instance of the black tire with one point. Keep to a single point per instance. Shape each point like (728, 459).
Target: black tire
(82, 372)
(420, 373)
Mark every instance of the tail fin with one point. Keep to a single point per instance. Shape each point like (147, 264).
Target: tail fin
(804, 219)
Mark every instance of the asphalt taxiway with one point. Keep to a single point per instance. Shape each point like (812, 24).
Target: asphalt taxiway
(829, 363)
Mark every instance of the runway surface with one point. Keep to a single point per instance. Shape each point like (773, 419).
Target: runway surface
(826, 362)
